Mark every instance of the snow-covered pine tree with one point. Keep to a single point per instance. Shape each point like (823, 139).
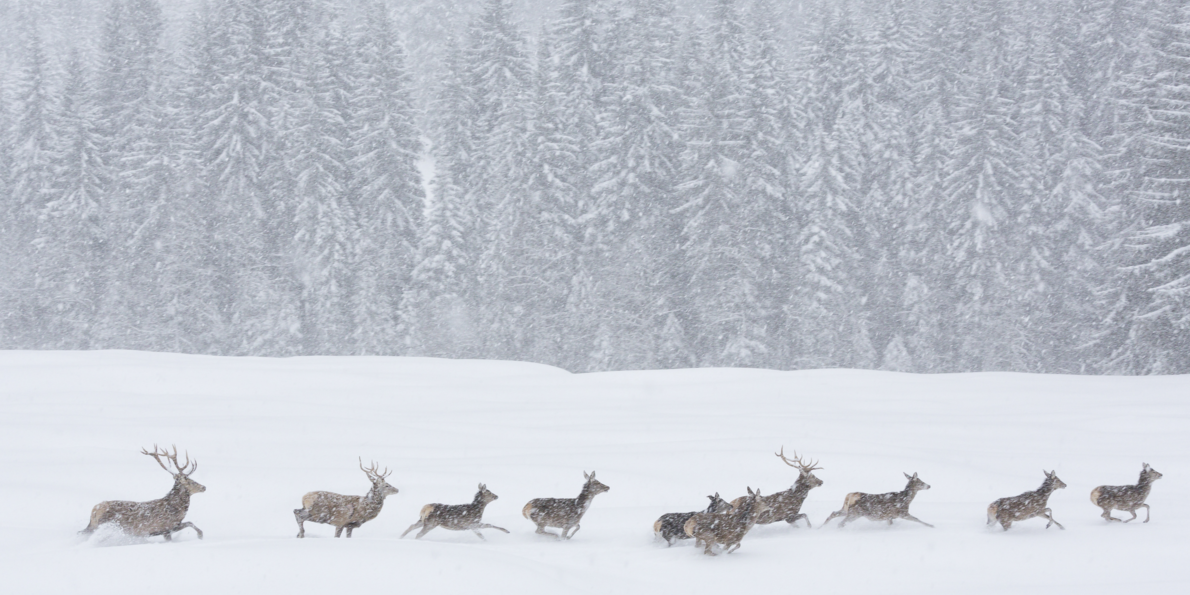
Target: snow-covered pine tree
(73, 252)
(386, 182)
(984, 200)
(33, 152)
(634, 186)
(131, 96)
(233, 126)
(439, 311)
(499, 81)
(326, 224)
(826, 313)
(1162, 238)
(715, 203)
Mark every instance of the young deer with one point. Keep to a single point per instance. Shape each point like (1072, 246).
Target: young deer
(787, 505)
(881, 507)
(345, 512)
(1027, 505)
(563, 513)
(456, 517)
(726, 528)
(1126, 498)
(156, 517)
(672, 526)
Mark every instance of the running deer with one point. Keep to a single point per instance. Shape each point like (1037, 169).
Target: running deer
(563, 513)
(1027, 505)
(672, 526)
(881, 507)
(456, 517)
(1126, 498)
(162, 517)
(726, 528)
(787, 505)
(345, 512)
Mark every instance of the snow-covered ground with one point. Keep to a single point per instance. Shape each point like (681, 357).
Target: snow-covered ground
(266, 431)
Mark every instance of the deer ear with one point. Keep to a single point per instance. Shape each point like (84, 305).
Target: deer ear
(585, 476)
(907, 476)
(1146, 465)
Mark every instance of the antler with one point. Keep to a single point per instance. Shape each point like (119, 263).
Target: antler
(797, 462)
(173, 458)
(374, 470)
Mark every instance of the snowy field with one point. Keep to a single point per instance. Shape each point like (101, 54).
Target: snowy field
(266, 431)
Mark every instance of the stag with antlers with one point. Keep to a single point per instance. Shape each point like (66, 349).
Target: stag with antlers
(787, 505)
(162, 517)
(345, 512)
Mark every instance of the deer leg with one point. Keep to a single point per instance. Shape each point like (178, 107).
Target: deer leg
(302, 515)
(349, 528)
(542, 531)
(1107, 515)
(835, 514)
(1047, 513)
(1146, 511)
(733, 548)
(487, 526)
(184, 525)
(910, 517)
(793, 521)
(707, 551)
(1133, 511)
(338, 531)
(167, 536)
(411, 527)
(426, 529)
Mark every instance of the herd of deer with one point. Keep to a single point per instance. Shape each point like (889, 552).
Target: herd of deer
(722, 523)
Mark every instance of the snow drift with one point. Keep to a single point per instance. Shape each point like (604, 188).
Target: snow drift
(269, 430)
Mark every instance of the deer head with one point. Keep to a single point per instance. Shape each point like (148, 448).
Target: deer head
(181, 475)
(379, 485)
(718, 504)
(1053, 477)
(485, 496)
(594, 486)
(916, 484)
(805, 470)
(1148, 473)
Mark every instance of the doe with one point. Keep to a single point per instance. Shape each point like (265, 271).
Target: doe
(563, 513)
(1028, 505)
(456, 517)
(881, 507)
(1126, 498)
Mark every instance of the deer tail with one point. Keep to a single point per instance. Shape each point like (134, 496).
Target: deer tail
(657, 527)
(425, 512)
(992, 508)
(1095, 493)
(850, 500)
(527, 510)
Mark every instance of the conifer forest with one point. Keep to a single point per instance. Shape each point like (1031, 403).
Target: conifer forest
(912, 185)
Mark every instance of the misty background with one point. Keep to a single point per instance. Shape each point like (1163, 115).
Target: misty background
(912, 185)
